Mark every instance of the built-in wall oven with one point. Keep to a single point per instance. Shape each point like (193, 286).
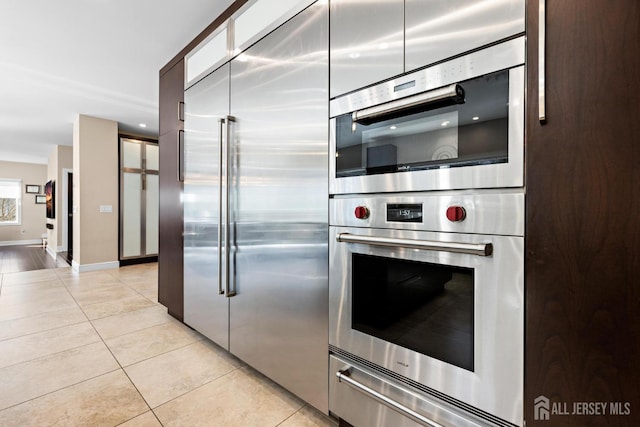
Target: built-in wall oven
(426, 308)
(455, 125)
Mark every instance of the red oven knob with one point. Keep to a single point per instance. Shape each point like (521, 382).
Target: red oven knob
(361, 212)
(456, 213)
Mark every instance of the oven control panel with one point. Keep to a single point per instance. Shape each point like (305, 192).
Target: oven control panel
(489, 212)
(404, 212)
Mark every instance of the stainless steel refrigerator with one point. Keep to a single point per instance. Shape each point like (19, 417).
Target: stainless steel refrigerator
(256, 206)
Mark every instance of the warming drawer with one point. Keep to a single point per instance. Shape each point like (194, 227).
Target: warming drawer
(366, 398)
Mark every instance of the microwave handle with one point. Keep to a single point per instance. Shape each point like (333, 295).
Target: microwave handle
(481, 249)
(444, 96)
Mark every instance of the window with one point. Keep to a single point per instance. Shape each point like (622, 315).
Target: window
(10, 200)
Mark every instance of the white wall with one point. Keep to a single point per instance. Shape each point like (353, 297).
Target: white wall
(33, 216)
(95, 166)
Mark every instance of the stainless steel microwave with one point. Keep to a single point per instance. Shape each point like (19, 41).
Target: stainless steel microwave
(456, 125)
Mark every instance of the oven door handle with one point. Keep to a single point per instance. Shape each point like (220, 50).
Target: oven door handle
(437, 98)
(480, 249)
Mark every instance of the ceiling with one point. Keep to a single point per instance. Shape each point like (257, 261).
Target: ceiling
(100, 58)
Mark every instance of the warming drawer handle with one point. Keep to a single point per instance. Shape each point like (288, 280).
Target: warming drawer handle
(452, 94)
(480, 249)
(343, 377)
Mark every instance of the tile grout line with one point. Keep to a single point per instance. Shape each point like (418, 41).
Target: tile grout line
(197, 388)
(48, 330)
(57, 390)
(49, 354)
(121, 368)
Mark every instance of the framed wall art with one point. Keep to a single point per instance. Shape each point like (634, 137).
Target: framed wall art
(32, 189)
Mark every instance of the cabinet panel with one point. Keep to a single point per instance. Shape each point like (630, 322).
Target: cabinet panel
(366, 42)
(171, 94)
(170, 265)
(583, 197)
(439, 29)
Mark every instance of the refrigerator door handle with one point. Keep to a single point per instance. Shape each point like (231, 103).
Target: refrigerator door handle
(230, 293)
(220, 134)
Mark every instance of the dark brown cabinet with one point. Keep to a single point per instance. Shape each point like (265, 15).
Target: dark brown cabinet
(582, 217)
(170, 265)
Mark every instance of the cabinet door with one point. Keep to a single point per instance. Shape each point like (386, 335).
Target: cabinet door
(439, 29)
(583, 197)
(366, 42)
(170, 270)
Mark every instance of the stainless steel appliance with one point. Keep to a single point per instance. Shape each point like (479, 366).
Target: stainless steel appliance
(255, 206)
(381, 39)
(455, 125)
(426, 308)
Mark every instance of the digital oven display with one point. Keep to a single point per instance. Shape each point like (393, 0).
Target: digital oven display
(406, 212)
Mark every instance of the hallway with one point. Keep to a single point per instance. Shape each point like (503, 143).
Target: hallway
(96, 349)
(14, 259)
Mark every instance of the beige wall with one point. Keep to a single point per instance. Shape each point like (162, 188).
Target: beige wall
(95, 166)
(33, 216)
(61, 158)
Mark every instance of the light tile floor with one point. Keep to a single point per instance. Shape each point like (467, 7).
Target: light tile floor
(96, 349)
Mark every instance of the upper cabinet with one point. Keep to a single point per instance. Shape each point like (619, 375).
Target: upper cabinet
(366, 43)
(374, 41)
(248, 24)
(207, 56)
(438, 29)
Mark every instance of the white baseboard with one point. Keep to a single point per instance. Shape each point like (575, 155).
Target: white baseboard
(20, 242)
(52, 253)
(81, 268)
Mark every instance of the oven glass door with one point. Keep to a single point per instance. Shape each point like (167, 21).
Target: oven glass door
(420, 306)
(474, 131)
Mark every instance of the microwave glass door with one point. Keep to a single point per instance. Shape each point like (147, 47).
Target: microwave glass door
(474, 132)
(420, 306)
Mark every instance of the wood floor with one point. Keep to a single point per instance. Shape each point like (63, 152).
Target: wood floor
(14, 259)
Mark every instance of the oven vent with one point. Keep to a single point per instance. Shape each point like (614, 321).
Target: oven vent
(485, 416)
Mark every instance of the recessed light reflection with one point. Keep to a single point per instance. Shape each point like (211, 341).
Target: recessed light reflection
(143, 125)
(393, 127)
(445, 123)
(354, 55)
(475, 118)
